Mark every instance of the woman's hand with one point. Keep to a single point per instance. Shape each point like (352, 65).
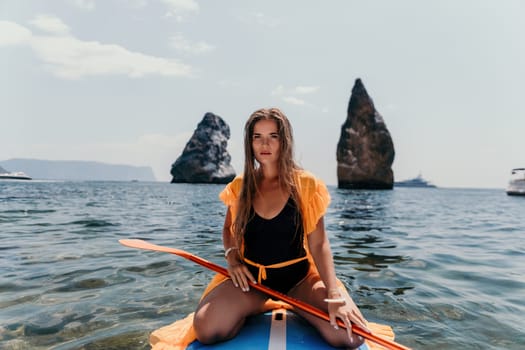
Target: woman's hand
(239, 273)
(345, 310)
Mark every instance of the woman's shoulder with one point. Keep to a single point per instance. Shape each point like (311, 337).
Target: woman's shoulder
(231, 192)
(237, 179)
(314, 199)
(305, 174)
(236, 184)
(307, 178)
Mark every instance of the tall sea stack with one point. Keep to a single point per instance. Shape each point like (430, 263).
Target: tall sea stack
(365, 151)
(205, 158)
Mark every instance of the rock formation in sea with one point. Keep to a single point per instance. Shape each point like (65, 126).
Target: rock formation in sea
(365, 151)
(205, 158)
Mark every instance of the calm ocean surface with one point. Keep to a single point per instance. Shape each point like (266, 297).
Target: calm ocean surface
(444, 267)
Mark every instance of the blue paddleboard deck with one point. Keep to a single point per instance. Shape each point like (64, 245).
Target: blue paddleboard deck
(275, 330)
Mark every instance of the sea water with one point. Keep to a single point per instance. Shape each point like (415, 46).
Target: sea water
(444, 267)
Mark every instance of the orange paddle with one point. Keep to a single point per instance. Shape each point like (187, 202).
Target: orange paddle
(140, 244)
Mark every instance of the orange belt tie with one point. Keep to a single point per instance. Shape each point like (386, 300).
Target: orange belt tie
(262, 268)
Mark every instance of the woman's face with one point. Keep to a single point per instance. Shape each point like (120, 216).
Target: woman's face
(266, 142)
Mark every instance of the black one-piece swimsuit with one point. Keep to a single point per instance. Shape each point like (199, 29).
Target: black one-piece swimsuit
(277, 240)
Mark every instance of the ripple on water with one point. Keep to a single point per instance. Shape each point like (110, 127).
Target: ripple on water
(133, 340)
(155, 269)
(18, 300)
(92, 223)
(90, 283)
(445, 270)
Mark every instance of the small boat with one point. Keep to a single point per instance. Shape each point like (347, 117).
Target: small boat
(277, 329)
(14, 176)
(415, 182)
(516, 186)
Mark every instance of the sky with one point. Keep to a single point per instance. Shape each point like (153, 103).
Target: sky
(127, 81)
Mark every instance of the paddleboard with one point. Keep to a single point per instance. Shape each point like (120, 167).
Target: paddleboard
(279, 329)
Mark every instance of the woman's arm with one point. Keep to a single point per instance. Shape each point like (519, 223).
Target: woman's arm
(322, 254)
(346, 310)
(227, 237)
(239, 273)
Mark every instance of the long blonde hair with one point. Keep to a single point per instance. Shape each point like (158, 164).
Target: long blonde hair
(286, 171)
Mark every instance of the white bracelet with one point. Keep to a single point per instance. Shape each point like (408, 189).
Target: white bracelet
(340, 300)
(335, 300)
(228, 251)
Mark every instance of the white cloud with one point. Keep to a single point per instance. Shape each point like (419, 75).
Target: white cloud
(279, 90)
(136, 4)
(302, 90)
(70, 58)
(13, 34)
(293, 100)
(50, 24)
(228, 83)
(258, 18)
(179, 42)
(87, 5)
(289, 95)
(297, 90)
(180, 8)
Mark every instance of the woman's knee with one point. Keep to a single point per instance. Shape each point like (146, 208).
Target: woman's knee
(217, 318)
(339, 339)
(208, 331)
(211, 326)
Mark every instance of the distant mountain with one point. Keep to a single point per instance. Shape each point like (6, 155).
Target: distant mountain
(78, 170)
(2, 170)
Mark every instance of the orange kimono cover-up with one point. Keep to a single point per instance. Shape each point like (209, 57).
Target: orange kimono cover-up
(314, 202)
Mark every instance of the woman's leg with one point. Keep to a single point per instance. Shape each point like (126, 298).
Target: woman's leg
(312, 291)
(221, 314)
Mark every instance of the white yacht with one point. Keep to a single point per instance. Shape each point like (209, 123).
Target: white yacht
(516, 185)
(415, 182)
(14, 176)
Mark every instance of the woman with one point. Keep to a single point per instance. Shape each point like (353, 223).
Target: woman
(274, 234)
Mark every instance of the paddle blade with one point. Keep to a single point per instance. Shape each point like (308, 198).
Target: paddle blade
(141, 244)
(380, 330)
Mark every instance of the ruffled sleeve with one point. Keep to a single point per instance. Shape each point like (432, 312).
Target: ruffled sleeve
(314, 200)
(230, 195)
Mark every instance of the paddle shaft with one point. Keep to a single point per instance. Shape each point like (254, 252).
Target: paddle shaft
(140, 244)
